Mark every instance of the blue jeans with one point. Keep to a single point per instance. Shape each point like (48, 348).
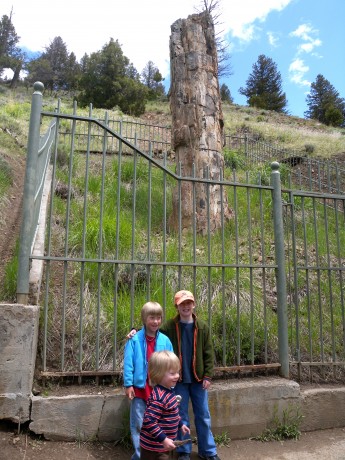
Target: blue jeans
(136, 416)
(202, 418)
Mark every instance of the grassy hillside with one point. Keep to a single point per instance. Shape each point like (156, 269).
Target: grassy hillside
(286, 132)
(291, 133)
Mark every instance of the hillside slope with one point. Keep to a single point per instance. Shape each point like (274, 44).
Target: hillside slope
(291, 133)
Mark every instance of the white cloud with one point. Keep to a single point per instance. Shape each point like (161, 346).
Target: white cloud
(306, 33)
(272, 39)
(238, 17)
(141, 27)
(297, 70)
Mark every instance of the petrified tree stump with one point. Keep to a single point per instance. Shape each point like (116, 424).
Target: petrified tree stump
(197, 122)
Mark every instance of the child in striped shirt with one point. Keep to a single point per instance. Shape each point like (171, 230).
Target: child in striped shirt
(161, 418)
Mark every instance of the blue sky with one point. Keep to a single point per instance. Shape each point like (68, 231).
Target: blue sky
(303, 37)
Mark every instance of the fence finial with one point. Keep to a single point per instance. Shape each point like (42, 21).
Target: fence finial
(38, 87)
(275, 166)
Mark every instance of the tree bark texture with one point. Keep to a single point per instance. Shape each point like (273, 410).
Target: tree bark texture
(197, 124)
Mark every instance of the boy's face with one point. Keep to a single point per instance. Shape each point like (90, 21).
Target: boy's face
(170, 379)
(185, 310)
(152, 324)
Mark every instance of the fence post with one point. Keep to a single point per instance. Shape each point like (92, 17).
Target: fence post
(26, 232)
(283, 344)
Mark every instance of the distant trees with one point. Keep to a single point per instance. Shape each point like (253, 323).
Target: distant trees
(264, 86)
(225, 94)
(152, 78)
(108, 80)
(324, 103)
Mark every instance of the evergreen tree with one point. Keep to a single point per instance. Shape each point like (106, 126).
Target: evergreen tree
(324, 103)
(8, 42)
(57, 56)
(11, 57)
(55, 68)
(72, 73)
(152, 78)
(225, 94)
(50, 66)
(264, 86)
(108, 80)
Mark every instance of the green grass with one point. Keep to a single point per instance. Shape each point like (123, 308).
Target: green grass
(8, 290)
(285, 427)
(6, 177)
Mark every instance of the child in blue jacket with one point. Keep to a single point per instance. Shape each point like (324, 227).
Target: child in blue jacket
(138, 350)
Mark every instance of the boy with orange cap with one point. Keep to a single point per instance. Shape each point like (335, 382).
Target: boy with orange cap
(192, 343)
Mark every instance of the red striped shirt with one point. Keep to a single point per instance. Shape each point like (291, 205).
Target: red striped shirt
(161, 419)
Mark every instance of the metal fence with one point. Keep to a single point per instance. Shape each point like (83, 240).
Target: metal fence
(38, 160)
(269, 282)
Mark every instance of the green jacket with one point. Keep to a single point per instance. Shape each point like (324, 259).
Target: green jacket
(202, 349)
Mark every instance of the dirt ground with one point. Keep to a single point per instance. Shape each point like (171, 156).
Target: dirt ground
(317, 445)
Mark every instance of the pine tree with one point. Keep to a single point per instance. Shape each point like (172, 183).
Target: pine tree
(108, 80)
(8, 41)
(225, 94)
(11, 56)
(324, 103)
(51, 66)
(264, 86)
(152, 78)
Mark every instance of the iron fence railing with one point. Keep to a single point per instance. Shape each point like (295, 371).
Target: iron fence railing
(111, 246)
(38, 159)
(315, 238)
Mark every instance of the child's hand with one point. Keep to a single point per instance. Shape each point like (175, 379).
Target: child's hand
(130, 393)
(185, 430)
(206, 384)
(168, 444)
(131, 334)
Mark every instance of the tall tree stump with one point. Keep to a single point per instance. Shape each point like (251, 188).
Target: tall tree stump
(197, 123)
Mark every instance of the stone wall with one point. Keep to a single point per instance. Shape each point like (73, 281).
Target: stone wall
(242, 408)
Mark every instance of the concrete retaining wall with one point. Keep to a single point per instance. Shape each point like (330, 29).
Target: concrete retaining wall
(18, 345)
(242, 408)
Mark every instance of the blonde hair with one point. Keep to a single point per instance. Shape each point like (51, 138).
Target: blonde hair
(151, 308)
(160, 363)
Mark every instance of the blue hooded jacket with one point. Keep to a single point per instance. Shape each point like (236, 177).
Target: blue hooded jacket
(135, 364)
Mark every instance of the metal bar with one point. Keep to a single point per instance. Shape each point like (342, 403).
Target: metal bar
(133, 229)
(295, 279)
(194, 227)
(100, 244)
(28, 196)
(250, 244)
(164, 240)
(85, 207)
(238, 311)
(179, 224)
(149, 217)
(281, 277)
(65, 264)
(315, 228)
(49, 243)
(208, 249)
(243, 368)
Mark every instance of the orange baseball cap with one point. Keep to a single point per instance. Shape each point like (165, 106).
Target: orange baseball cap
(181, 296)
